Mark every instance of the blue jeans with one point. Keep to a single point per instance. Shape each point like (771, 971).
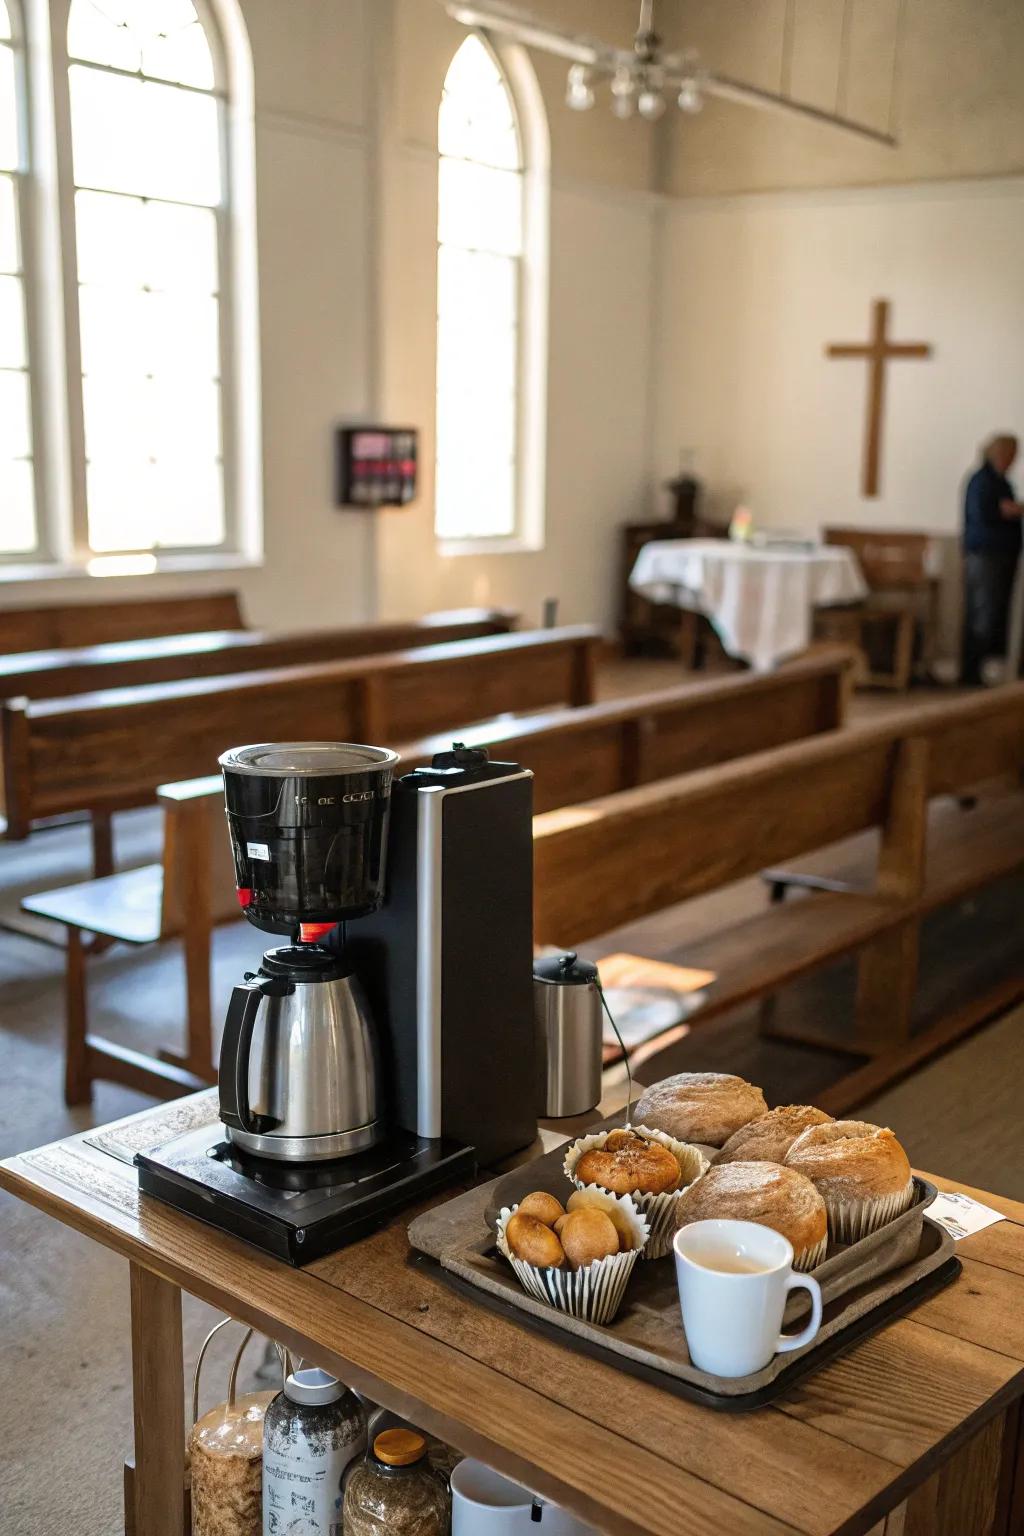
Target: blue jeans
(988, 593)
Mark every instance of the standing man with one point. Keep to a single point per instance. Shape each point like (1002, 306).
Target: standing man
(992, 544)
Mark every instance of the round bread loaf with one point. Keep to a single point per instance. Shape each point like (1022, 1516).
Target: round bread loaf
(530, 1240)
(777, 1197)
(768, 1138)
(851, 1160)
(634, 1166)
(700, 1106)
(588, 1234)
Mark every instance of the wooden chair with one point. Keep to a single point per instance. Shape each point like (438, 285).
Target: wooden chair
(902, 604)
(68, 624)
(184, 896)
(612, 861)
(574, 754)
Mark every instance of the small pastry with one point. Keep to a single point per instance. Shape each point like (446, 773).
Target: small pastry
(598, 1200)
(542, 1205)
(634, 1166)
(588, 1235)
(530, 1240)
(776, 1197)
(768, 1138)
(861, 1172)
(706, 1107)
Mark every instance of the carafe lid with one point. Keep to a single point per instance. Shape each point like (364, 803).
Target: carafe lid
(399, 1447)
(305, 759)
(313, 1387)
(304, 962)
(565, 970)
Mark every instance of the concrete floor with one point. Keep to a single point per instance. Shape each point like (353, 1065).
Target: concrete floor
(65, 1406)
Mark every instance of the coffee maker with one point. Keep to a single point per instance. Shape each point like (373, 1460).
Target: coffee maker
(389, 1045)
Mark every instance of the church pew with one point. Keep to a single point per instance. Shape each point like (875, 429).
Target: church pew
(101, 752)
(615, 860)
(608, 745)
(59, 625)
(54, 674)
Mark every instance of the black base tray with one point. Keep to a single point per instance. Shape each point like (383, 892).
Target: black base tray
(838, 1344)
(298, 1212)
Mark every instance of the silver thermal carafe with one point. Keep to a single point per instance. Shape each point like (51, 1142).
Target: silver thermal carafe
(299, 1063)
(567, 1016)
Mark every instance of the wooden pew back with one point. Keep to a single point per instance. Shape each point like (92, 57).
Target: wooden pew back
(890, 561)
(53, 674)
(611, 861)
(68, 624)
(104, 750)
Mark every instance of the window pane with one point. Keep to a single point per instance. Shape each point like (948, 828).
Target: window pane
(113, 328)
(182, 335)
(480, 208)
(180, 247)
(162, 37)
(475, 289)
(9, 159)
(15, 430)
(189, 503)
(475, 499)
(109, 232)
(132, 136)
(183, 419)
(121, 503)
(12, 324)
(17, 512)
(182, 55)
(116, 417)
(101, 35)
(5, 20)
(9, 261)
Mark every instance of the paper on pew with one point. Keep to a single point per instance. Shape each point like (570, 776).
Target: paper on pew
(961, 1215)
(648, 997)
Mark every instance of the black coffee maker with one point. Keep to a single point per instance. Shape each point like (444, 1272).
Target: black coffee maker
(440, 959)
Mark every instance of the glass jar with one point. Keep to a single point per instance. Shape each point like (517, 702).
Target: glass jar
(395, 1492)
(313, 1430)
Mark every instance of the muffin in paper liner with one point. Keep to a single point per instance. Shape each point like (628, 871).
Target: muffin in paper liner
(850, 1220)
(594, 1293)
(811, 1257)
(660, 1210)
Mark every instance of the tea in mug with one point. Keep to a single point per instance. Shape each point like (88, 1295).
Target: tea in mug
(726, 1262)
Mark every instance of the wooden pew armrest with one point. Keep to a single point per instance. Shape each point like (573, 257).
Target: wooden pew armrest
(125, 906)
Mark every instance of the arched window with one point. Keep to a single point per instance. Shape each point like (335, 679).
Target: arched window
(146, 92)
(18, 535)
(489, 301)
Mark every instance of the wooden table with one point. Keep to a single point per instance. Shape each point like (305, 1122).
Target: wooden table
(914, 1433)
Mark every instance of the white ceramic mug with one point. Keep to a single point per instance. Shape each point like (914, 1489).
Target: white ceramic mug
(734, 1278)
(486, 1504)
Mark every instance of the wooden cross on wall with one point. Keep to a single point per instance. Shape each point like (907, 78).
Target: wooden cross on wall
(878, 352)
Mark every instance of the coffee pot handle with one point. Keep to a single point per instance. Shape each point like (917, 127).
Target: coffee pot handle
(234, 1057)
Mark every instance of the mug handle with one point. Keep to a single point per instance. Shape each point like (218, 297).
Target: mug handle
(788, 1341)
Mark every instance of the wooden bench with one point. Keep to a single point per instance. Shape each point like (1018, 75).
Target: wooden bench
(608, 862)
(136, 618)
(52, 674)
(902, 602)
(101, 752)
(572, 753)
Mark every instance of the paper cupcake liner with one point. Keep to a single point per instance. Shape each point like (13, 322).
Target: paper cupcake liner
(594, 1293)
(660, 1210)
(850, 1220)
(811, 1257)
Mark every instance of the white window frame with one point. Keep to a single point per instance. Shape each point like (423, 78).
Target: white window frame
(530, 118)
(49, 260)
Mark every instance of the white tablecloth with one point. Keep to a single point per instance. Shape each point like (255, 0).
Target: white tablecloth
(760, 601)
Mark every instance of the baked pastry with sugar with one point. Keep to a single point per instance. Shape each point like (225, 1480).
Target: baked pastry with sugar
(861, 1172)
(705, 1107)
(768, 1138)
(628, 1164)
(775, 1196)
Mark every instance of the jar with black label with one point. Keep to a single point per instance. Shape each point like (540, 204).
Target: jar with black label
(312, 1431)
(395, 1492)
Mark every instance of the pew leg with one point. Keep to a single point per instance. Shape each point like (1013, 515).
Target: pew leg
(102, 827)
(886, 986)
(199, 1034)
(77, 1079)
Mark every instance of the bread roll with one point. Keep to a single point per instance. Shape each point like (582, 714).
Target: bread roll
(588, 1234)
(777, 1197)
(634, 1166)
(597, 1199)
(542, 1205)
(531, 1240)
(851, 1160)
(700, 1106)
(768, 1138)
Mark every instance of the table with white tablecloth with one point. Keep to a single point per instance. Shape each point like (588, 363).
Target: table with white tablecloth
(760, 600)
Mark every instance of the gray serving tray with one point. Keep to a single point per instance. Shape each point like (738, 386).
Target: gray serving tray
(647, 1337)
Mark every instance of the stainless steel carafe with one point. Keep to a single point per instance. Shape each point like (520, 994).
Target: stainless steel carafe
(299, 1073)
(567, 1015)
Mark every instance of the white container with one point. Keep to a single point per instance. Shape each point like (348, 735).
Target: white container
(312, 1431)
(486, 1504)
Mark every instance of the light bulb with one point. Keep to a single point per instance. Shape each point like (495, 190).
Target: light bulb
(651, 104)
(579, 94)
(690, 98)
(623, 92)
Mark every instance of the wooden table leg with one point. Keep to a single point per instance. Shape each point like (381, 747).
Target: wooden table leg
(159, 1405)
(77, 1082)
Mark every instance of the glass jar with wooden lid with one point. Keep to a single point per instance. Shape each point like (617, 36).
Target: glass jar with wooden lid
(395, 1492)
